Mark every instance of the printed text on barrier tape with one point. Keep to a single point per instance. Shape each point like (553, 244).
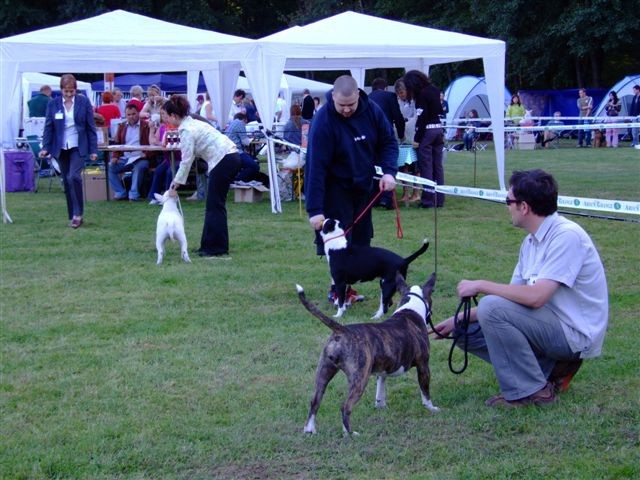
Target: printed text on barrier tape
(580, 203)
(405, 177)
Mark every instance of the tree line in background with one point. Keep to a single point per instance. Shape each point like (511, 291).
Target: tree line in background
(550, 45)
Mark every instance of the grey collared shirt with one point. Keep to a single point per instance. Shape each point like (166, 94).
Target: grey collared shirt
(562, 251)
(132, 137)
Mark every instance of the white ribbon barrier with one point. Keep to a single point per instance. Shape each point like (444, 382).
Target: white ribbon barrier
(589, 126)
(405, 177)
(538, 119)
(292, 146)
(542, 128)
(580, 203)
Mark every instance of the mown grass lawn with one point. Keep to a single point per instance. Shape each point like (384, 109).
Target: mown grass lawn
(113, 367)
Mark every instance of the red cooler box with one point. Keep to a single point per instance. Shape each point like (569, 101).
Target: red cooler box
(19, 170)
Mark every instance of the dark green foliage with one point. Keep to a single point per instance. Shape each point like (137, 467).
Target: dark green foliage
(550, 45)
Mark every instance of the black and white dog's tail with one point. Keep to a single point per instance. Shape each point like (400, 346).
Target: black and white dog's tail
(316, 312)
(417, 253)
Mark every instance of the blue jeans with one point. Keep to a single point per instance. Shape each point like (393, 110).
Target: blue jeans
(248, 169)
(162, 177)
(71, 165)
(522, 344)
(139, 167)
(634, 133)
(468, 139)
(586, 134)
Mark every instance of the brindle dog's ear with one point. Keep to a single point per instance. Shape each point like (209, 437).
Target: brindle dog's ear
(401, 285)
(429, 285)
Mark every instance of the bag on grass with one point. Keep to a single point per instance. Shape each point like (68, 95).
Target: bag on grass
(285, 185)
(293, 161)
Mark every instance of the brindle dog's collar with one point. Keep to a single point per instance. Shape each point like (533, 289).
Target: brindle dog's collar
(426, 305)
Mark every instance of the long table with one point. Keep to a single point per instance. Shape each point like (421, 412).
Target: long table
(134, 148)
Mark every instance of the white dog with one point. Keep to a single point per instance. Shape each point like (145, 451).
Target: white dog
(170, 225)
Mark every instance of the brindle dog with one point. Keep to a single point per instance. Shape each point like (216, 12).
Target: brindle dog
(385, 349)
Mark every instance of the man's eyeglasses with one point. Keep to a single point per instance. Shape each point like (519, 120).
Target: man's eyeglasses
(509, 201)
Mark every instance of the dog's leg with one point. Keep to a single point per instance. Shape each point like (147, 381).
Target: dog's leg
(380, 310)
(341, 291)
(357, 384)
(326, 371)
(381, 392)
(182, 239)
(160, 247)
(424, 378)
(388, 287)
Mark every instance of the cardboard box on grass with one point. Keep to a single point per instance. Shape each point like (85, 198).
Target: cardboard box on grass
(248, 193)
(95, 185)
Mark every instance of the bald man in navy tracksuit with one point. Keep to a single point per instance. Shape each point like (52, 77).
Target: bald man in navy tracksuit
(348, 138)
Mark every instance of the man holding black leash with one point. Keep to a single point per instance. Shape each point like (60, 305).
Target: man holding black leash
(347, 139)
(536, 330)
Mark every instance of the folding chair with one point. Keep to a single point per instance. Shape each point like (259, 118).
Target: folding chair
(52, 169)
(479, 145)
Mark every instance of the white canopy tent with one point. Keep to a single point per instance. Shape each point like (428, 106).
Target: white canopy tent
(127, 42)
(33, 81)
(348, 41)
(356, 42)
(469, 93)
(292, 86)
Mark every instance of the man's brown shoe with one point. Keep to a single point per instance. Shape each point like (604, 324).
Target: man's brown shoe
(563, 373)
(544, 396)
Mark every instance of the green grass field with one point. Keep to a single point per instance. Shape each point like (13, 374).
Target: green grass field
(115, 368)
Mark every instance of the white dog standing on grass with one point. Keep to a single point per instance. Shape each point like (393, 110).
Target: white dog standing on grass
(170, 225)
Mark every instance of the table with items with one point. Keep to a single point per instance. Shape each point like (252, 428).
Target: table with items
(172, 146)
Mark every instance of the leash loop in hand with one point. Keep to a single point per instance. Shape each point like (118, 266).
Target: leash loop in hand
(460, 330)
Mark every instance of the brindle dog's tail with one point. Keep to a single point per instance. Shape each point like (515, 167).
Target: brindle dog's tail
(417, 253)
(313, 308)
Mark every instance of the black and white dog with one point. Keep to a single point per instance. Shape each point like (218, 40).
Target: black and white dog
(383, 349)
(349, 264)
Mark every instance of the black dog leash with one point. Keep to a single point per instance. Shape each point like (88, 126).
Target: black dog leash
(461, 330)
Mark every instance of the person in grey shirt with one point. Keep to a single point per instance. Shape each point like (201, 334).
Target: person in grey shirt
(536, 330)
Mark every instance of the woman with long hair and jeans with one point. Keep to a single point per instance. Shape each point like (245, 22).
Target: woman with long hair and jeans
(201, 140)
(70, 136)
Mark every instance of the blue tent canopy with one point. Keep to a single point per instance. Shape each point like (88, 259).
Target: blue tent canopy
(168, 82)
(544, 103)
